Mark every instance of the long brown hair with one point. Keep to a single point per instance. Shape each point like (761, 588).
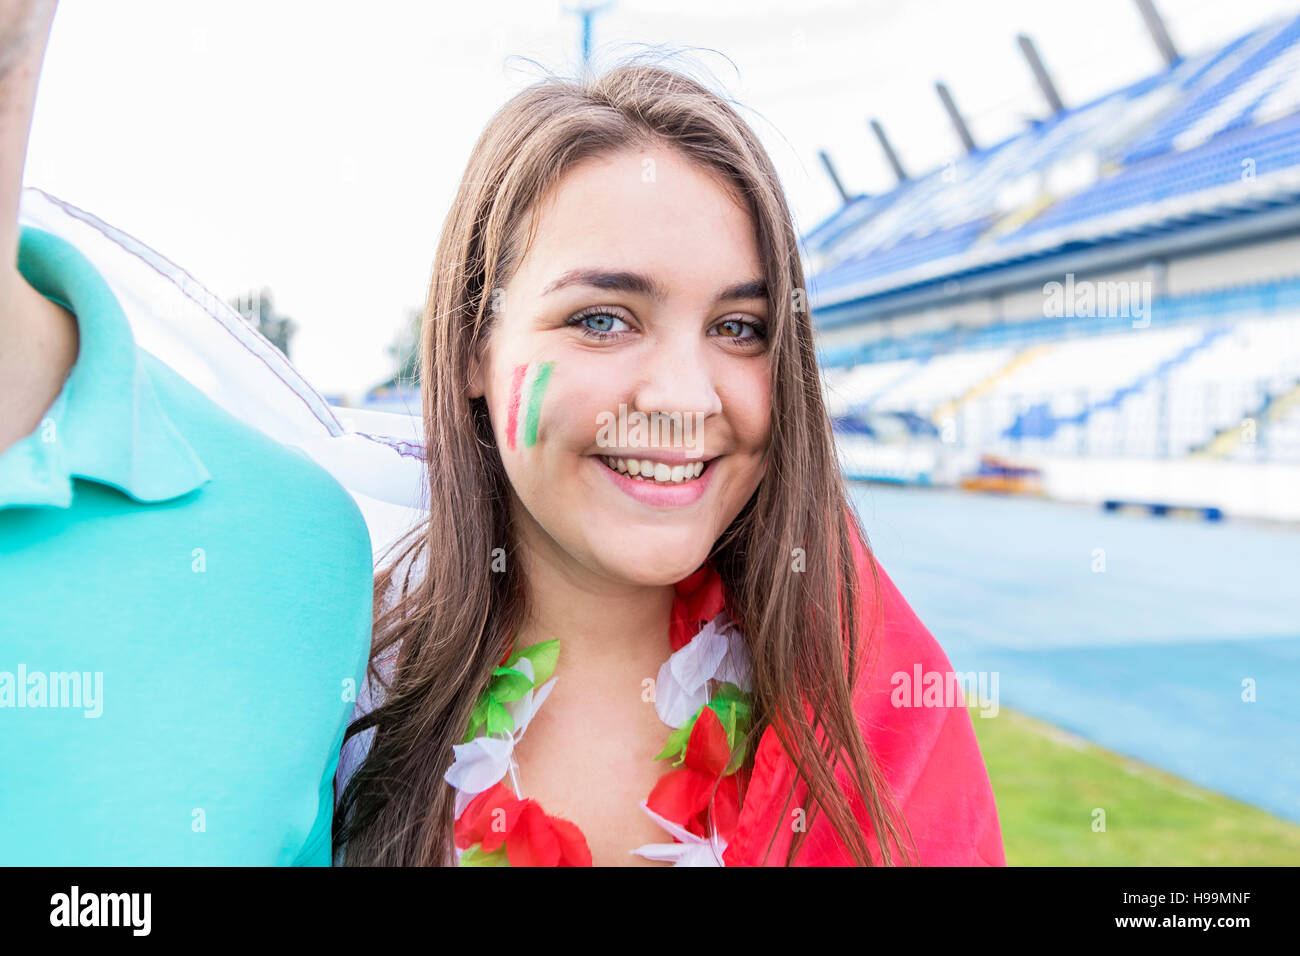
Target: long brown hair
(451, 625)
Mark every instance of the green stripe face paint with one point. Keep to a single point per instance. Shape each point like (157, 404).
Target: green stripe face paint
(527, 389)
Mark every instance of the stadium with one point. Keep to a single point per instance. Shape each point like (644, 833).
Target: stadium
(1117, 282)
(1059, 345)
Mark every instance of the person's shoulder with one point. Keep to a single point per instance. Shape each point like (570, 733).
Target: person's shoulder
(407, 569)
(895, 635)
(407, 564)
(896, 655)
(258, 466)
(913, 714)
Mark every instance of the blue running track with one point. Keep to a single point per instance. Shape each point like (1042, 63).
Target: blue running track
(1146, 657)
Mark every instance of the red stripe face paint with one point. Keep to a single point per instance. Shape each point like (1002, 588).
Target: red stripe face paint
(527, 388)
(512, 413)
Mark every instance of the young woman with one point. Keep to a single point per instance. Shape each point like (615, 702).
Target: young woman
(608, 648)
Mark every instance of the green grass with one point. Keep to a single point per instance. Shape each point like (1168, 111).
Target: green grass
(1048, 783)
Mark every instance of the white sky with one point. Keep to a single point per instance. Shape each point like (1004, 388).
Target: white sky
(313, 148)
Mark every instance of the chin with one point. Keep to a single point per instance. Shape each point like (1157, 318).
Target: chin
(651, 566)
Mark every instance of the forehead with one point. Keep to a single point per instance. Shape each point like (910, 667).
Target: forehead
(652, 209)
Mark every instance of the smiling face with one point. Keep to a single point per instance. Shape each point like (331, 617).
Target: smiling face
(632, 332)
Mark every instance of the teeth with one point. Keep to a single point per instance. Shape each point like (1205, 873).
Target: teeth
(657, 471)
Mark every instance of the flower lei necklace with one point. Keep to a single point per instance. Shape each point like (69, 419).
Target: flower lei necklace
(703, 691)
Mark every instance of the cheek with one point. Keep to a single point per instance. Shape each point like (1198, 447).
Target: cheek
(748, 400)
(545, 404)
(526, 397)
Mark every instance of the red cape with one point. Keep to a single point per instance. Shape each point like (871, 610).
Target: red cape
(927, 755)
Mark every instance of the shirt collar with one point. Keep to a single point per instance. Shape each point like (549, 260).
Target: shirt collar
(107, 424)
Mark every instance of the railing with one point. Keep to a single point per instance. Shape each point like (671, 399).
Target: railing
(1244, 420)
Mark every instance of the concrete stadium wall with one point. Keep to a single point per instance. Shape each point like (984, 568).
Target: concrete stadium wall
(1245, 265)
(1259, 261)
(1240, 489)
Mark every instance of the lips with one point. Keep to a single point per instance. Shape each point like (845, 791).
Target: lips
(654, 491)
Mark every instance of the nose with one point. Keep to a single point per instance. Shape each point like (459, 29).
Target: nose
(676, 377)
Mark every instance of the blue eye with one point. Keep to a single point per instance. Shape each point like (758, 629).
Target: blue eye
(597, 324)
(601, 321)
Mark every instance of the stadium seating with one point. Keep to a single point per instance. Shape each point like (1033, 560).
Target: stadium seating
(1209, 373)
(1158, 391)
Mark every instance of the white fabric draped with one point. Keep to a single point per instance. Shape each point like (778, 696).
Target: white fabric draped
(376, 456)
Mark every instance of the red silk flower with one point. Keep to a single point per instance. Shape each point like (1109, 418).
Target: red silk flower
(684, 795)
(531, 836)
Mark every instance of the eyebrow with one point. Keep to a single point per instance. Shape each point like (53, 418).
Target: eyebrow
(638, 284)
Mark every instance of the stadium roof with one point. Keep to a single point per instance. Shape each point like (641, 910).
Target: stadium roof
(1208, 145)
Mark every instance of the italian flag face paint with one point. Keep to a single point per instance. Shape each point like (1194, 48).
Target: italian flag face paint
(527, 388)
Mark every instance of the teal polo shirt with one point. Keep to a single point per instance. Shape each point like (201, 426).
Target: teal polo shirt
(185, 610)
